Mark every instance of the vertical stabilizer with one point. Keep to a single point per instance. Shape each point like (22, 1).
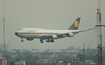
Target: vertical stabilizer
(75, 24)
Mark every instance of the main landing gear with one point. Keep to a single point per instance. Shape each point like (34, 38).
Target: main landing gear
(48, 40)
(41, 41)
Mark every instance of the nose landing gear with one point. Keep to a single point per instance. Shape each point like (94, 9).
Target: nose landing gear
(22, 40)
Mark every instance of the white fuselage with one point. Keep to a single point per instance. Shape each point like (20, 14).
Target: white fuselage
(38, 32)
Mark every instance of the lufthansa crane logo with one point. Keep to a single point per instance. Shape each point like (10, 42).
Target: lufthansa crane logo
(76, 23)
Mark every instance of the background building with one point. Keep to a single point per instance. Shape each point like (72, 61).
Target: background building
(3, 61)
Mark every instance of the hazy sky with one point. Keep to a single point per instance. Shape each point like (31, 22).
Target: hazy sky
(49, 14)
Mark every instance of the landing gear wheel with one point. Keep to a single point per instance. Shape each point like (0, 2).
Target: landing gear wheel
(41, 41)
(22, 40)
(52, 40)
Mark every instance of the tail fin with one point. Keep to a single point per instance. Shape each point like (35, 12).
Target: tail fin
(75, 25)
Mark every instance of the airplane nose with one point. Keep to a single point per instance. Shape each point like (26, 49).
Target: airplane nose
(16, 33)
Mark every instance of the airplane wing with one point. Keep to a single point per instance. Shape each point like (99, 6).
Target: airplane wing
(62, 35)
(55, 36)
(71, 34)
(65, 35)
(48, 37)
(86, 30)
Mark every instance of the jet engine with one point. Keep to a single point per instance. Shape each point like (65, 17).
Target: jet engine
(29, 39)
(54, 36)
(70, 34)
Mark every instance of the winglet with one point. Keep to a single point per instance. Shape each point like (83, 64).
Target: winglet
(75, 24)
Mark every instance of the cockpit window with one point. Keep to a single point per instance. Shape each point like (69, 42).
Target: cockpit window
(19, 29)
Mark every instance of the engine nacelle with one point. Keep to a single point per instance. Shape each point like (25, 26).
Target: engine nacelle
(54, 36)
(29, 39)
(70, 34)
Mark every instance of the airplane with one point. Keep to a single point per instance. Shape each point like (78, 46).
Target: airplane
(49, 35)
